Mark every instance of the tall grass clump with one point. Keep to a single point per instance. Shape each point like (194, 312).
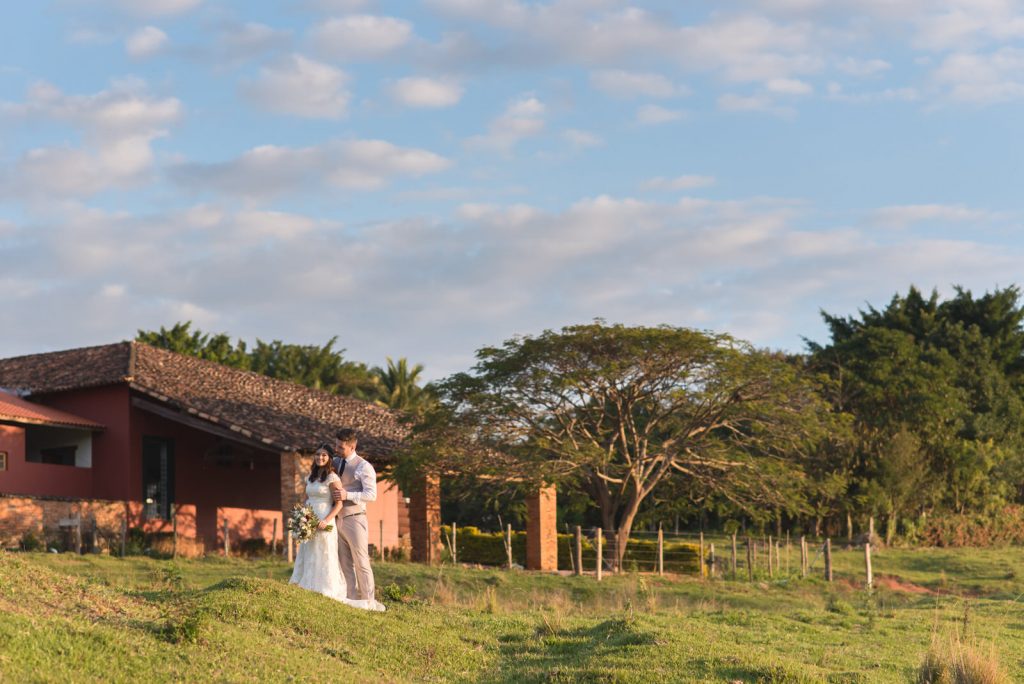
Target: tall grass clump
(954, 662)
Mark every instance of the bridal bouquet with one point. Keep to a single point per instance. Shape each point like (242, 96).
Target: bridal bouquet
(302, 523)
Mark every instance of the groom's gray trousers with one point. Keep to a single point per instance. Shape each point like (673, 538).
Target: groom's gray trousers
(354, 555)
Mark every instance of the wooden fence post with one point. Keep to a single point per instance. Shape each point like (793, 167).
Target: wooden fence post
(600, 553)
(227, 539)
(578, 569)
(803, 556)
(750, 561)
(702, 555)
(455, 544)
(828, 560)
(733, 556)
(867, 564)
(508, 544)
(771, 561)
(382, 540)
(661, 551)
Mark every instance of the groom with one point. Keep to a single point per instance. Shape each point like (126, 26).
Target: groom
(358, 486)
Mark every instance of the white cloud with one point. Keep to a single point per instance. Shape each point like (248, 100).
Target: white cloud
(361, 36)
(730, 102)
(983, 78)
(788, 86)
(582, 139)
(146, 42)
(235, 43)
(423, 92)
(678, 183)
(651, 114)
(902, 216)
(269, 171)
(629, 84)
(157, 7)
(863, 67)
(117, 125)
(523, 118)
(300, 86)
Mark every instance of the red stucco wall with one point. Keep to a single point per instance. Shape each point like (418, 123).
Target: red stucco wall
(42, 479)
(112, 472)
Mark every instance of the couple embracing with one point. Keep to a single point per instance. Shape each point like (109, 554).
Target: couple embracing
(338, 488)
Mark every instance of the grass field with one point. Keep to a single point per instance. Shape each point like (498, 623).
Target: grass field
(67, 618)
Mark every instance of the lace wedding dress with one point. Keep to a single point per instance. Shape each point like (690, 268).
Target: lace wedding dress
(316, 566)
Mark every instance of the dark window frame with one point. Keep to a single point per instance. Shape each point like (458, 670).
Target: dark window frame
(157, 476)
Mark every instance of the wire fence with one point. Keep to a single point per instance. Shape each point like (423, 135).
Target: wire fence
(594, 551)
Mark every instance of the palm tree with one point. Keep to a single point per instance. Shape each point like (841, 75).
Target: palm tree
(397, 386)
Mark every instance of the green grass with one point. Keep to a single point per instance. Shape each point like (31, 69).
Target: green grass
(68, 618)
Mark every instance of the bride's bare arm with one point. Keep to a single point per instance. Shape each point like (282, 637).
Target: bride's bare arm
(329, 520)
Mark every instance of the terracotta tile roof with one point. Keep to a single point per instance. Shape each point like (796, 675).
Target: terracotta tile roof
(14, 409)
(282, 415)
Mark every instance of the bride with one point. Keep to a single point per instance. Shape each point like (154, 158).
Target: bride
(317, 567)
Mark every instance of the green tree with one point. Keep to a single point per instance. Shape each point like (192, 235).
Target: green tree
(398, 386)
(618, 411)
(320, 367)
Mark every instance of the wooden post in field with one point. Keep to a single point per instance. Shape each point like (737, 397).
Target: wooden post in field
(227, 539)
(124, 534)
(733, 556)
(508, 543)
(702, 555)
(711, 562)
(867, 564)
(579, 551)
(750, 560)
(288, 546)
(661, 551)
(771, 560)
(803, 557)
(455, 544)
(828, 560)
(382, 540)
(600, 553)
(871, 529)
(174, 530)
(273, 540)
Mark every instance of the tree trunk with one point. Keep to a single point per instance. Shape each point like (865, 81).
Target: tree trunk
(890, 528)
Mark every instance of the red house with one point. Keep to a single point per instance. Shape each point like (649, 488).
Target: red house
(128, 432)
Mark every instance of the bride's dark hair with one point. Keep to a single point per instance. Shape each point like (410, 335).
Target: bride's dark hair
(321, 472)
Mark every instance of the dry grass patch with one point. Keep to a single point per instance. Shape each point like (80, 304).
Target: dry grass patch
(950, 661)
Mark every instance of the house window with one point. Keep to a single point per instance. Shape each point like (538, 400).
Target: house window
(157, 476)
(58, 446)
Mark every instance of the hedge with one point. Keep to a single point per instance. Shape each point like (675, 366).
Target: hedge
(488, 548)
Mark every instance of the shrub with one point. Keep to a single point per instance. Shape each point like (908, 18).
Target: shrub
(29, 542)
(958, 663)
(1003, 528)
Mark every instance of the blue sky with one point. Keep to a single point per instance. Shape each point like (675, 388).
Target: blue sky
(425, 178)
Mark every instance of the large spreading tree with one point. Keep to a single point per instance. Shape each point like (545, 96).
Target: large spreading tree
(618, 411)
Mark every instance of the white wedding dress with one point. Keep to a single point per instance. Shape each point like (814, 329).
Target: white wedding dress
(317, 567)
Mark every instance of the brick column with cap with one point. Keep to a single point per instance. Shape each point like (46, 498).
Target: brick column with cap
(425, 519)
(541, 530)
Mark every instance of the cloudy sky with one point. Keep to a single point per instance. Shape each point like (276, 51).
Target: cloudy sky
(425, 178)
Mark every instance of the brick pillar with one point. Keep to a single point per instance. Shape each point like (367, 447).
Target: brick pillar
(425, 519)
(294, 469)
(541, 530)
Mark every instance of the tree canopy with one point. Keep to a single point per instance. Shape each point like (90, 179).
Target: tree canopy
(618, 411)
